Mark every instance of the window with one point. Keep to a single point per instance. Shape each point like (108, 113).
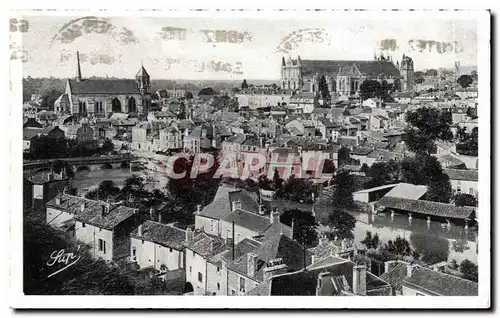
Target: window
(142, 241)
(242, 284)
(170, 250)
(83, 224)
(218, 286)
(134, 257)
(200, 277)
(190, 269)
(194, 254)
(102, 246)
(233, 292)
(212, 225)
(218, 269)
(471, 191)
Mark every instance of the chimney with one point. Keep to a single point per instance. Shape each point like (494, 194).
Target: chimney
(389, 265)
(275, 214)
(159, 217)
(189, 235)
(82, 207)
(58, 200)
(251, 264)
(261, 212)
(104, 210)
(409, 270)
(275, 267)
(313, 258)
(236, 205)
(359, 280)
(198, 208)
(139, 231)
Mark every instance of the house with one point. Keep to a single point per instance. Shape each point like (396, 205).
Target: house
(45, 186)
(403, 97)
(371, 102)
(104, 226)
(30, 135)
(414, 280)
(198, 251)
(170, 138)
(330, 276)
(140, 134)
(255, 261)
(31, 123)
(463, 181)
(157, 245)
(301, 103)
(84, 134)
(202, 137)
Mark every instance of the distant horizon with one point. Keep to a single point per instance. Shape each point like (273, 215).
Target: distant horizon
(230, 49)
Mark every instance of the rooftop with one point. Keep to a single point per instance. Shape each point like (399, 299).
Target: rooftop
(163, 234)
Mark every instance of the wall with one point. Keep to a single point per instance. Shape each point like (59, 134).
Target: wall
(201, 222)
(217, 280)
(233, 283)
(196, 264)
(407, 291)
(240, 233)
(56, 217)
(152, 254)
(91, 234)
(383, 291)
(465, 186)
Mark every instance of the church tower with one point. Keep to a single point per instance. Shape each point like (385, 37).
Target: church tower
(78, 69)
(143, 81)
(407, 74)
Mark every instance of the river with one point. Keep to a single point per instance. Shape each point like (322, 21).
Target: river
(462, 244)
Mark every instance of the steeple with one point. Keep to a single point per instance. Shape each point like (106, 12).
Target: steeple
(78, 70)
(283, 61)
(142, 79)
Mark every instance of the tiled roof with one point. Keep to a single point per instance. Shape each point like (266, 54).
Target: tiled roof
(163, 234)
(459, 174)
(407, 191)
(426, 207)
(248, 220)
(260, 290)
(440, 283)
(361, 151)
(367, 68)
(206, 245)
(142, 72)
(104, 86)
(44, 177)
(92, 212)
(31, 132)
(396, 275)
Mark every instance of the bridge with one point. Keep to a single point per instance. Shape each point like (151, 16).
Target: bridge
(115, 161)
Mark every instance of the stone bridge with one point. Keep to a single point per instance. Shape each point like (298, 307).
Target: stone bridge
(82, 163)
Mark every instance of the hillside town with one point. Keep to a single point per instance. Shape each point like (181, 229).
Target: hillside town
(340, 178)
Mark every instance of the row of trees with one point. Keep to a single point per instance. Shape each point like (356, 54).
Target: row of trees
(47, 147)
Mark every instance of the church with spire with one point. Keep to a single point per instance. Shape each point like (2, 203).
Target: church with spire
(99, 98)
(344, 77)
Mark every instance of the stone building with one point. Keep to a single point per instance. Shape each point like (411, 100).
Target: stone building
(101, 97)
(345, 77)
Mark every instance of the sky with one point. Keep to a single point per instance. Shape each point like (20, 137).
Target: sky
(228, 49)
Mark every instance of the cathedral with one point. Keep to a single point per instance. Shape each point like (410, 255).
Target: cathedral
(345, 77)
(102, 97)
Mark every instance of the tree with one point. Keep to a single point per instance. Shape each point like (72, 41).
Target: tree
(344, 186)
(207, 91)
(364, 168)
(465, 80)
(433, 249)
(341, 225)
(87, 276)
(264, 183)
(468, 144)
(244, 85)
(431, 72)
(469, 270)
(344, 156)
(189, 95)
(47, 147)
(426, 125)
(106, 189)
(382, 173)
(50, 97)
(107, 146)
(399, 247)
(323, 88)
(371, 241)
(464, 199)
(299, 190)
(277, 180)
(304, 226)
(425, 169)
(370, 89)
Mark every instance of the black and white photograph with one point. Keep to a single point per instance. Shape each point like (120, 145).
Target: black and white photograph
(188, 155)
